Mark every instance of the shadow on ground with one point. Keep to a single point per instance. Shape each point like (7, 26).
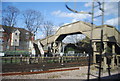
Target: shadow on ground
(115, 77)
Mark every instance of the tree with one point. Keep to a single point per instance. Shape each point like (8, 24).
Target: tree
(33, 20)
(86, 39)
(47, 28)
(9, 16)
(108, 50)
(74, 38)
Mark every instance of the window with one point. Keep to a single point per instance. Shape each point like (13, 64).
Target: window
(15, 40)
(1, 41)
(16, 34)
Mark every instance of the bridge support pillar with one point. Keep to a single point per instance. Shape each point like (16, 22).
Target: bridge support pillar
(104, 63)
(105, 58)
(94, 54)
(54, 47)
(113, 57)
(117, 57)
(63, 48)
(59, 47)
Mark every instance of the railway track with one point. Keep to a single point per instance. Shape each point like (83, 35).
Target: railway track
(37, 67)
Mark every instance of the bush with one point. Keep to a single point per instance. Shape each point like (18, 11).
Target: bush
(16, 53)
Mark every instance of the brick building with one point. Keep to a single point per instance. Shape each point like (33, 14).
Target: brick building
(14, 39)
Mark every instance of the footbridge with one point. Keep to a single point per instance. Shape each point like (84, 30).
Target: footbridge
(69, 29)
(111, 38)
(110, 33)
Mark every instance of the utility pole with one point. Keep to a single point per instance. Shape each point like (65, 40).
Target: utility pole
(91, 53)
(101, 42)
(92, 20)
(91, 36)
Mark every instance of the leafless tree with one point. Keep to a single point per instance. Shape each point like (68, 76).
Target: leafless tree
(9, 16)
(33, 20)
(47, 28)
(74, 38)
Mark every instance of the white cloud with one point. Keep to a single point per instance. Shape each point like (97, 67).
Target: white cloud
(88, 4)
(74, 20)
(55, 28)
(111, 8)
(76, 16)
(66, 23)
(113, 21)
(56, 12)
(39, 35)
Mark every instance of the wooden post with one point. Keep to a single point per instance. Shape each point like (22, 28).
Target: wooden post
(62, 59)
(28, 60)
(11, 60)
(5, 60)
(65, 59)
(20, 60)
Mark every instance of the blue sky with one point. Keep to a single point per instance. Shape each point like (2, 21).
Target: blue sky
(58, 13)
(48, 9)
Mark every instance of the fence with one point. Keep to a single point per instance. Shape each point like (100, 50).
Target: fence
(23, 64)
(38, 60)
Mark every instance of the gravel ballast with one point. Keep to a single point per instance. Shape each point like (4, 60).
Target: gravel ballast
(73, 74)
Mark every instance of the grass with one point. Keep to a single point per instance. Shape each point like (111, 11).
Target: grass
(11, 61)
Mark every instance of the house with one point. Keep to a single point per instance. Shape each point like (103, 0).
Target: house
(14, 39)
(1, 41)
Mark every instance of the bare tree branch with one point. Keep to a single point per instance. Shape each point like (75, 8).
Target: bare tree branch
(47, 28)
(9, 16)
(33, 20)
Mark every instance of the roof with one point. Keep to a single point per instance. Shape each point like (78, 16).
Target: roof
(9, 29)
(23, 32)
